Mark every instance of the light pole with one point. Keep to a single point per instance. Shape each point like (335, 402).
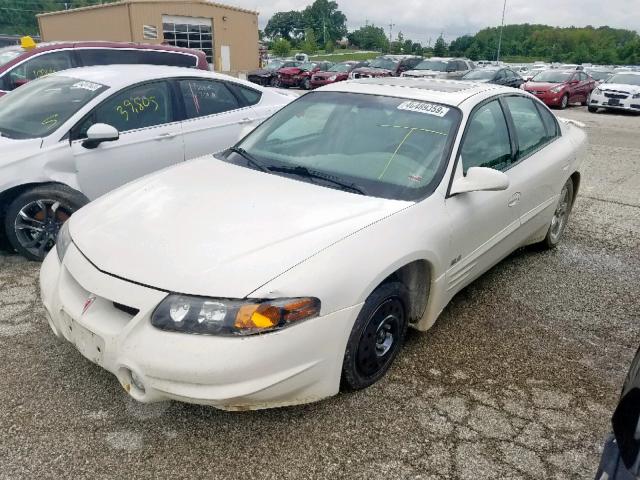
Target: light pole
(504, 7)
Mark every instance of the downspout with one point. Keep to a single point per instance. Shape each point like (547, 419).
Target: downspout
(130, 22)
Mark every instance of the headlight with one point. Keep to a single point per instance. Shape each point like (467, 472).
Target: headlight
(227, 317)
(63, 240)
(597, 91)
(333, 78)
(636, 95)
(557, 89)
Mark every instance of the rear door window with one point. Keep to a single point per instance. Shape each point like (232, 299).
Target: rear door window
(204, 97)
(530, 129)
(107, 56)
(39, 66)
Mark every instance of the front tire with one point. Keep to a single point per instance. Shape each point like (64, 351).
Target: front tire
(560, 217)
(306, 84)
(593, 109)
(34, 217)
(564, 103)
(376, 337)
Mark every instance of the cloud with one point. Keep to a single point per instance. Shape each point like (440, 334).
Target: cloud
(422, 19)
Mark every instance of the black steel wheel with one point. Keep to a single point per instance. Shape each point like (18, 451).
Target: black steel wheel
(34, 218)
(376, 337)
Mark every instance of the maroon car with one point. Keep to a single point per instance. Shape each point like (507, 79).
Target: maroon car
(386, 66)
(300, 76)
(337, 73)
(559, 88)
(19, 65)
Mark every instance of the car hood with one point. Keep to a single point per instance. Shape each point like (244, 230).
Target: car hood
(375, 72)
(425, 73)
(290, 71)
(543, 85)
(207, 227)
(12, 150)
(329, 74)
(619, 87)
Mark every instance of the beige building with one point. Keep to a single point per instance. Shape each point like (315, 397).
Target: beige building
(228, 35)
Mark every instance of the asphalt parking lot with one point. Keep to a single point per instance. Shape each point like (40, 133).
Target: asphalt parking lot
(517, 380)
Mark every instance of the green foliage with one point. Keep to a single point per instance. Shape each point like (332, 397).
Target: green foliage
(395, 48)
(416, 48)
(603, 45)
(326, 21)
(287, 25)
(329, 47)
(440, 47)
(281, 47)
(310, 44)
(19, 17)
(369, 38)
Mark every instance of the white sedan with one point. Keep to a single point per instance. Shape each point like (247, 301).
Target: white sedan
(72, 136)
(293, 263)
(621, 91)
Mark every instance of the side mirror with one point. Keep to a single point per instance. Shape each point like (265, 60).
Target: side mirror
(98, 133)
(480, 179)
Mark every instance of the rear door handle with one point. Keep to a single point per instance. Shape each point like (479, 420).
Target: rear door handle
(245, 120)
(514, 199)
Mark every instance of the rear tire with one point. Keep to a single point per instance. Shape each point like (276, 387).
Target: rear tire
(34, 217)
(376, 337)
(593, 109)
(560, 217)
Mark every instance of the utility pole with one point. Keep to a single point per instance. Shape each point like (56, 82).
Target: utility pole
(391, 25)
(324, 32)
(504, 7)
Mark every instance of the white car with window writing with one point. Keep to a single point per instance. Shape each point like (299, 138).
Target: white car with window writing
(293, 263)
(72, 136)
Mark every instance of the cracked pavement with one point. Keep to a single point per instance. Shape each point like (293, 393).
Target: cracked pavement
(517, 380)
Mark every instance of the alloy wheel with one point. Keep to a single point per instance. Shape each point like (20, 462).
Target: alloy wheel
(38, 223)
(559, 219)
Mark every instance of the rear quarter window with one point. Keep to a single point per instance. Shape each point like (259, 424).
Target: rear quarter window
(249, 96)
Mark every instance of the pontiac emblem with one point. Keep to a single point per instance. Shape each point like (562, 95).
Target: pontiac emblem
(88, 303)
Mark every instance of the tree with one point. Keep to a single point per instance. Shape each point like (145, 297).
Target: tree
(407, 47)
(310, 44)
(416, 48)
(287, 25)
(281, 47)
(369, 38)
(19, 17)
(440, 47)
(326, 21)
(329, 47)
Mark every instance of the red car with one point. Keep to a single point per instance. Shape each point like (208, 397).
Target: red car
(300, 76)
(19, 64)
(559, 88)
(337, 73)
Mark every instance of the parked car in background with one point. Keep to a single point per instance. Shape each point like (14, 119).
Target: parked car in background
(496, 75)
(620, 458)
(386, 66)
(451, 68)
(72, 136)
(300, 76)
(19, 65)
(336, 73)
(620, 92)
(532, 72)
(559, 88)
(222, 272)
(268, 76)
(599, 75)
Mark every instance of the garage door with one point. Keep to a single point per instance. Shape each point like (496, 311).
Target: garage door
(189, 32)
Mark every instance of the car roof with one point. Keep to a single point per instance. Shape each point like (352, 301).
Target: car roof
(46, 46)
(450, 92)
(118, 76)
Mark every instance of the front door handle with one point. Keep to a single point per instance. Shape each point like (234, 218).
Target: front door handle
(165, 136)
(514, 199)
(245, 120)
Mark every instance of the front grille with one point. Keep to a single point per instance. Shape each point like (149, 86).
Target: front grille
(615, 95)
(126, 309)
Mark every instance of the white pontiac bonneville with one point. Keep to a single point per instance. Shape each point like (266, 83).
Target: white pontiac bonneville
(292, 264)
(74, 135)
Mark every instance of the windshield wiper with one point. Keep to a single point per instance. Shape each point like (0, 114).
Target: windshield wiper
(301, 171)
(249, 158)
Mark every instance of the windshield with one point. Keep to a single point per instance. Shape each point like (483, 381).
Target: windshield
(627, 78)
(481, 74)
(275, 65)
(6, 55)
(599, 75)
(435, 65)
(550, 76)
(40, 107)
(306, 66)
(386, 63)
(340, 67)
(387, 147)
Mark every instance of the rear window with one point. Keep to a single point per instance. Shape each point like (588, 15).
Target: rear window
(120, 56)
(6, 55)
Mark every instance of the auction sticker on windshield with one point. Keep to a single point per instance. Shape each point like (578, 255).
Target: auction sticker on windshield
(92, 87)
(424, 107)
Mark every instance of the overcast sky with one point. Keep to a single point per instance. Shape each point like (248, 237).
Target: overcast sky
(422, 19)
